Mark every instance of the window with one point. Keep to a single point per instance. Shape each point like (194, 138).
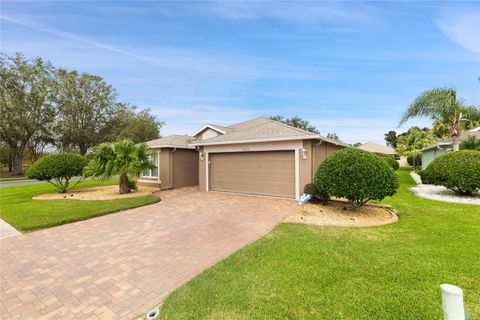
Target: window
(152, 173)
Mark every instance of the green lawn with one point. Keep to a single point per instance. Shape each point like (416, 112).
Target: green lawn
(25, 214)
(308, 272)
(13, 179)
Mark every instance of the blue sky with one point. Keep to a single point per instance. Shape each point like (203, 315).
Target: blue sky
(347, 67)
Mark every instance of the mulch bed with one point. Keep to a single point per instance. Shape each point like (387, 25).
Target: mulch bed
(96, 193)
(340, 213)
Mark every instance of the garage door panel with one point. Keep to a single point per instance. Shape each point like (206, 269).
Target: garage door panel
(265, 173)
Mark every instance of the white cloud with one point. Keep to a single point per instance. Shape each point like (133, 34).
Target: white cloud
(461, 27)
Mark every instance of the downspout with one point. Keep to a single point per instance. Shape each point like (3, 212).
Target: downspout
(159, 181)
(172, 184)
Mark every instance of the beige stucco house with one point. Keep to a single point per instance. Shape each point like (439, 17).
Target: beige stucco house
(384, 150)
(175, 161)
(260, 156)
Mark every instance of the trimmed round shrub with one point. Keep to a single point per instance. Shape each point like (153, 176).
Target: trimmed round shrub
(357, 175)
(318, 195)
(391, 162)
(458, 171)
(58, 169)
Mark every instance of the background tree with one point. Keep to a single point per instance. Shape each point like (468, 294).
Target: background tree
(6, 156)
(411, 143)
(448, 112)
(85, 103)
(471, 143)
(26, 103)
(297, 123)
(357, 144)
(333, 136)
(391, 138)
(124, 158)
(37, 144)
(128, 123)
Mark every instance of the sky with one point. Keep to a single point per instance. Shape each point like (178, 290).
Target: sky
(347, 67)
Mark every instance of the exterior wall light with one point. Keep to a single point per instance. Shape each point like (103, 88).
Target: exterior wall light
(304, 154)
(201, 156)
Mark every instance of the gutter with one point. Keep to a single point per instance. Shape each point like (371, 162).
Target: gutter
(306, 137)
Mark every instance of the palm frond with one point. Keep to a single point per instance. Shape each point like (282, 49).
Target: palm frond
(435, 103)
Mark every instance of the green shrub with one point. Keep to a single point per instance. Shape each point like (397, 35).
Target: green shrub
(318, 195)
(458, 171)
(418, 160)
(310, 189)
(58, 169)
(471, 143)
(391, 162)
(357, 175)
(132, 184)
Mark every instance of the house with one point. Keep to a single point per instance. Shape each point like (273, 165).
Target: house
(260, 156)
(175, 163)
(434, 150)
(385, 151)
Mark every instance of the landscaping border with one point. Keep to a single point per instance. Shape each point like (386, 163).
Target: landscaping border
(393, 217)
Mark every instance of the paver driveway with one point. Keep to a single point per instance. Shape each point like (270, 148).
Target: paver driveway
(119, 266)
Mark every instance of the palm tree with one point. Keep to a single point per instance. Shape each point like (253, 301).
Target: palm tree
(446, 110)
(124, 158)
(413, 141)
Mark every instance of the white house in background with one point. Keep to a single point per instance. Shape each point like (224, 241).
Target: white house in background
(437, 149)
(384, 150)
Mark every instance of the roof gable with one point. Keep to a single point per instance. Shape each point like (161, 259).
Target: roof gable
(173, 141)
(216, 128)
(377, 148)
(259, 129)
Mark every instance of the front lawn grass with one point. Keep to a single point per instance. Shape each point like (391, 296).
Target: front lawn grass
(310, 272)
(25, 214)
(13, 179)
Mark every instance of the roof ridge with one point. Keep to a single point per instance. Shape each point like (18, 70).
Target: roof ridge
(245, 121)
(239, 130)
(290, 126)
(254, 126)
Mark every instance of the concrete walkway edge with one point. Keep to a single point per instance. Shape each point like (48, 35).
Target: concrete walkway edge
(7, 230)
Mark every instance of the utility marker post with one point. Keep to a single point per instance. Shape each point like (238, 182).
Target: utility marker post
(452, 300)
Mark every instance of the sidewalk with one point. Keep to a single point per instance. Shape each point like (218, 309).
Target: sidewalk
(7, 230)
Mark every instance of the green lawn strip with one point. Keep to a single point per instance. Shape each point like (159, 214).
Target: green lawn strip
(13, 179)
(309, 272)
(25, 214)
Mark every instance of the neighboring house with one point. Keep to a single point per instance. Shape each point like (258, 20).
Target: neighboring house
(384, 150)
(434, 150)
(175, 161)
(260, 156)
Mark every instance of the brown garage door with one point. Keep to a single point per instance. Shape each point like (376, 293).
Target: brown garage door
(270, 173)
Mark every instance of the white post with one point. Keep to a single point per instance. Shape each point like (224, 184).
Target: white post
(452, 300)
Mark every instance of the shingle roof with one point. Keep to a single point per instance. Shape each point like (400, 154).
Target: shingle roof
(475, 132)
(173, 141)
(377, 148)
(437, 144)
(261, 129)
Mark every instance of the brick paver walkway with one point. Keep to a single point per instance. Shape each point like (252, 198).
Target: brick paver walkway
(120, 265)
